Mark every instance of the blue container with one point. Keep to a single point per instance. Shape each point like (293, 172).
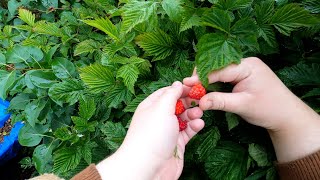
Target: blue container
(10, 145)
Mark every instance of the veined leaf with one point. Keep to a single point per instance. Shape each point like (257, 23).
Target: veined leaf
(42, 158)
(105, 25)
(312, 93)
(24, 54)
(190, 18)
(136, 12)
(114, 133)
(259, 154)
(86, 151)
(33, 110)
(215, 51)
(264, 11)
(312, 5)
(63, 133)
(68, 91)
(63, 68)
(173, 9)
(301, 74)
(208, 144)
(6, 82)
(66, 159)
(41, 79)
(29, 136)
(27, 16)
(227, 161)
(52, 29)
(218, 19)
(233, 4)
(129, 73)
(267, 33)
(232, 120)
(86, 46)
(99, 78)
(158, 44)
(87, 107)
(290, 17)
(118, 94)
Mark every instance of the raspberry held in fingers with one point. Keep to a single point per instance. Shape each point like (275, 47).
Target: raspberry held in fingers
(197, 92)
(182, 124)
(179, 107)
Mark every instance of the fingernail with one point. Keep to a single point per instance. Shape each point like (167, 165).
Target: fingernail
(176, 84)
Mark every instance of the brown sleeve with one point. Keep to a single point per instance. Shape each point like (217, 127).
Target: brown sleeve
(90, 173)
(306, 168)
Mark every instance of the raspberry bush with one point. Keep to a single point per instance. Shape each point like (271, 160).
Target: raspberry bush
(75, 70)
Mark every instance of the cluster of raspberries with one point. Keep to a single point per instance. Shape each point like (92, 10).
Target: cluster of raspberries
(196, 92)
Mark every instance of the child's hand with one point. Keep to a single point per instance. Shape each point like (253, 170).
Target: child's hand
(154, 147)
(263, 100)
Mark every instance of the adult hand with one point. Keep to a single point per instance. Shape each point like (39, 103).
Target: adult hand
(154, 147)
(263, 100)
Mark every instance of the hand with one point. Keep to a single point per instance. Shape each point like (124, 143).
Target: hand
(263, 100)
(154, 147)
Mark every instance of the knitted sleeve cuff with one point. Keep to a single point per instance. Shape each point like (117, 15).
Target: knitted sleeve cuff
(90, 172)
(306, 168)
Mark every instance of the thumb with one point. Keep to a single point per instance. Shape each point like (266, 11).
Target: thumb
(231, 102)
(170, 97)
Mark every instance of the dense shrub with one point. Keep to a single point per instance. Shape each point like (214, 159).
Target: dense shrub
(75, 71)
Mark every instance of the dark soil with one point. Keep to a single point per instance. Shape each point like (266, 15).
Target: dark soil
(5, 130)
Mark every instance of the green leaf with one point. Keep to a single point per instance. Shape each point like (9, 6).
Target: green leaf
(66, 159)
(218, 19)
(268, 35)
(208, 143)
(173, 9)
(132, 106)
(43, 27)
(232, 120)
(129, 73)
(312, 93)
(27, 16)
(227, 161)
(82, 125)
(233, 4)
(312, 5)
(136, 12)
(41, 79)
(259, 154)
(24, 54)
(190, 18)
(99, 78)
(6, 82)
(264, 11)
(42, 158)
(105, 25)
(86, 151)
(2, 59)
(118, 94)
(29, 136)
(68, 91)
(63, 68)
(19, 102)
(301, 74)
(214, 52)
(86, 46)
(63, 133)
(290, 17)
(114, 133)
(50, 3)
(33, 111)
(87, 107)
(157, 44)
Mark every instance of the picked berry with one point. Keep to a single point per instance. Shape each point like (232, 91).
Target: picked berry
(197, 92)
(179, 107)
(182, 124)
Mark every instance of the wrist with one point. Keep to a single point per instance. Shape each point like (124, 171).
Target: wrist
(128, 165)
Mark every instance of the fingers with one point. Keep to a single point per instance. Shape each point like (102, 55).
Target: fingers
(193, 128)
(232, 73)
(231, 102)
(191, 114)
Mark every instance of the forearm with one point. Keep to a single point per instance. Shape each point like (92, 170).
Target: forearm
(300, 136)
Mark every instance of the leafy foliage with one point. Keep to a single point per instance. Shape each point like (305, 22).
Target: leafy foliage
(75, 71)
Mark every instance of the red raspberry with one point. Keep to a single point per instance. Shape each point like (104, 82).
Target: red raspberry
(179, 107)
(182, 124)
(197, 92)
